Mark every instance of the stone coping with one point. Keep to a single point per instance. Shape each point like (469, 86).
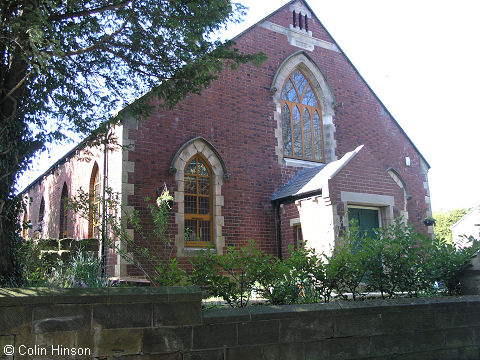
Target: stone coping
(267, 312)
(33, 296)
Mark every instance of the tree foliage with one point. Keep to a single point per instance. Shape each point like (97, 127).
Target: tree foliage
(68, 65)
(444, 220)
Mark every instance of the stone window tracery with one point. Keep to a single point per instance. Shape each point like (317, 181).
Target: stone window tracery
(302, 128)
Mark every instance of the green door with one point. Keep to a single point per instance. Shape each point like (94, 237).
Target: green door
(367, 219)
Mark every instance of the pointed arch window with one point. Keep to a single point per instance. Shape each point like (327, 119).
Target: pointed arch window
(95, 203)
(302, 128)
(198, 202)
(41, 212)
(62, 234)
(25, 225)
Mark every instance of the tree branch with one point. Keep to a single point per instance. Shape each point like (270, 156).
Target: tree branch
(60, 17)
(8, 95)
(133, 64)
(105, 39)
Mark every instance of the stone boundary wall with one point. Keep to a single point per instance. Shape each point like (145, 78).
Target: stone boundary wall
(169, 324)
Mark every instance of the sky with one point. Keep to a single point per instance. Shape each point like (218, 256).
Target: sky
(422, 59)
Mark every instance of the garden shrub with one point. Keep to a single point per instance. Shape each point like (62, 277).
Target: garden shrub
(169, 273)
(231, 276)
(395, 261)
(42, 265)
(348, 264)
(81, 271)
(399, 261)
(449, 261)
(155, 262)
(35, 267)
(288, 281)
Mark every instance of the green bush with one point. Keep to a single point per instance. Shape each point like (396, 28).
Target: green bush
(395, 261)
(35, 266)
(403, 261)
(42, 266)
(348, 264)
(448, 262)
(170, 274)
(399, 261)
(231, 276)
(83, 270)
(151, 251)
(288, 281)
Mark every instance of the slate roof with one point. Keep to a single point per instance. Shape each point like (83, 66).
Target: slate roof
(311, 180)
(297, 183)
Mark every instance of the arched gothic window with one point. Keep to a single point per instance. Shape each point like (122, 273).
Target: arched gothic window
(62, 233)
(41, 212)
(302, 127)
(95, 203)
(25, 225)
(198, 202)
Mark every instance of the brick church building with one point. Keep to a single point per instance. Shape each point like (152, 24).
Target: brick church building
(288, 151)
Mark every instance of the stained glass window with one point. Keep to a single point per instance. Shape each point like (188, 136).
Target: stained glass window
(301, 119)
(198, 203)
(62, 234)
(41, 212)
(297, 132)
(95, 204)
(287, 131)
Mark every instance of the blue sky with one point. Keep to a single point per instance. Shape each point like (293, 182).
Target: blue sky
(422, 59)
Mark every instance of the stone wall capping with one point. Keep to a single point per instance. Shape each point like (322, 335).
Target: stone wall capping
(168, 323)
(226, 315)
(44, 296)
(272, 312)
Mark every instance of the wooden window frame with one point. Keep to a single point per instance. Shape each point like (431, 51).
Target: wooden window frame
(297, 229)
(204, 217)
(366, 207)
(95, 182)
(301, 108)
(25, 225)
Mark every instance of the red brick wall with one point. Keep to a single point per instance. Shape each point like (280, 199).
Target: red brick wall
(288, 213)
(75, 171)
(236, 115)
(363, 174)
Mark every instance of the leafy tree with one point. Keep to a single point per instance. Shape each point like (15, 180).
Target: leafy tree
(67, 65)
(444, 220)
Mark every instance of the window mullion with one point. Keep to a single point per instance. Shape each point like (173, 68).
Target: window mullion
(301, 124)
(313, 134)
(210, 191)
(291, 106)
(197, 221)
(311, 111)
(295, 87)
